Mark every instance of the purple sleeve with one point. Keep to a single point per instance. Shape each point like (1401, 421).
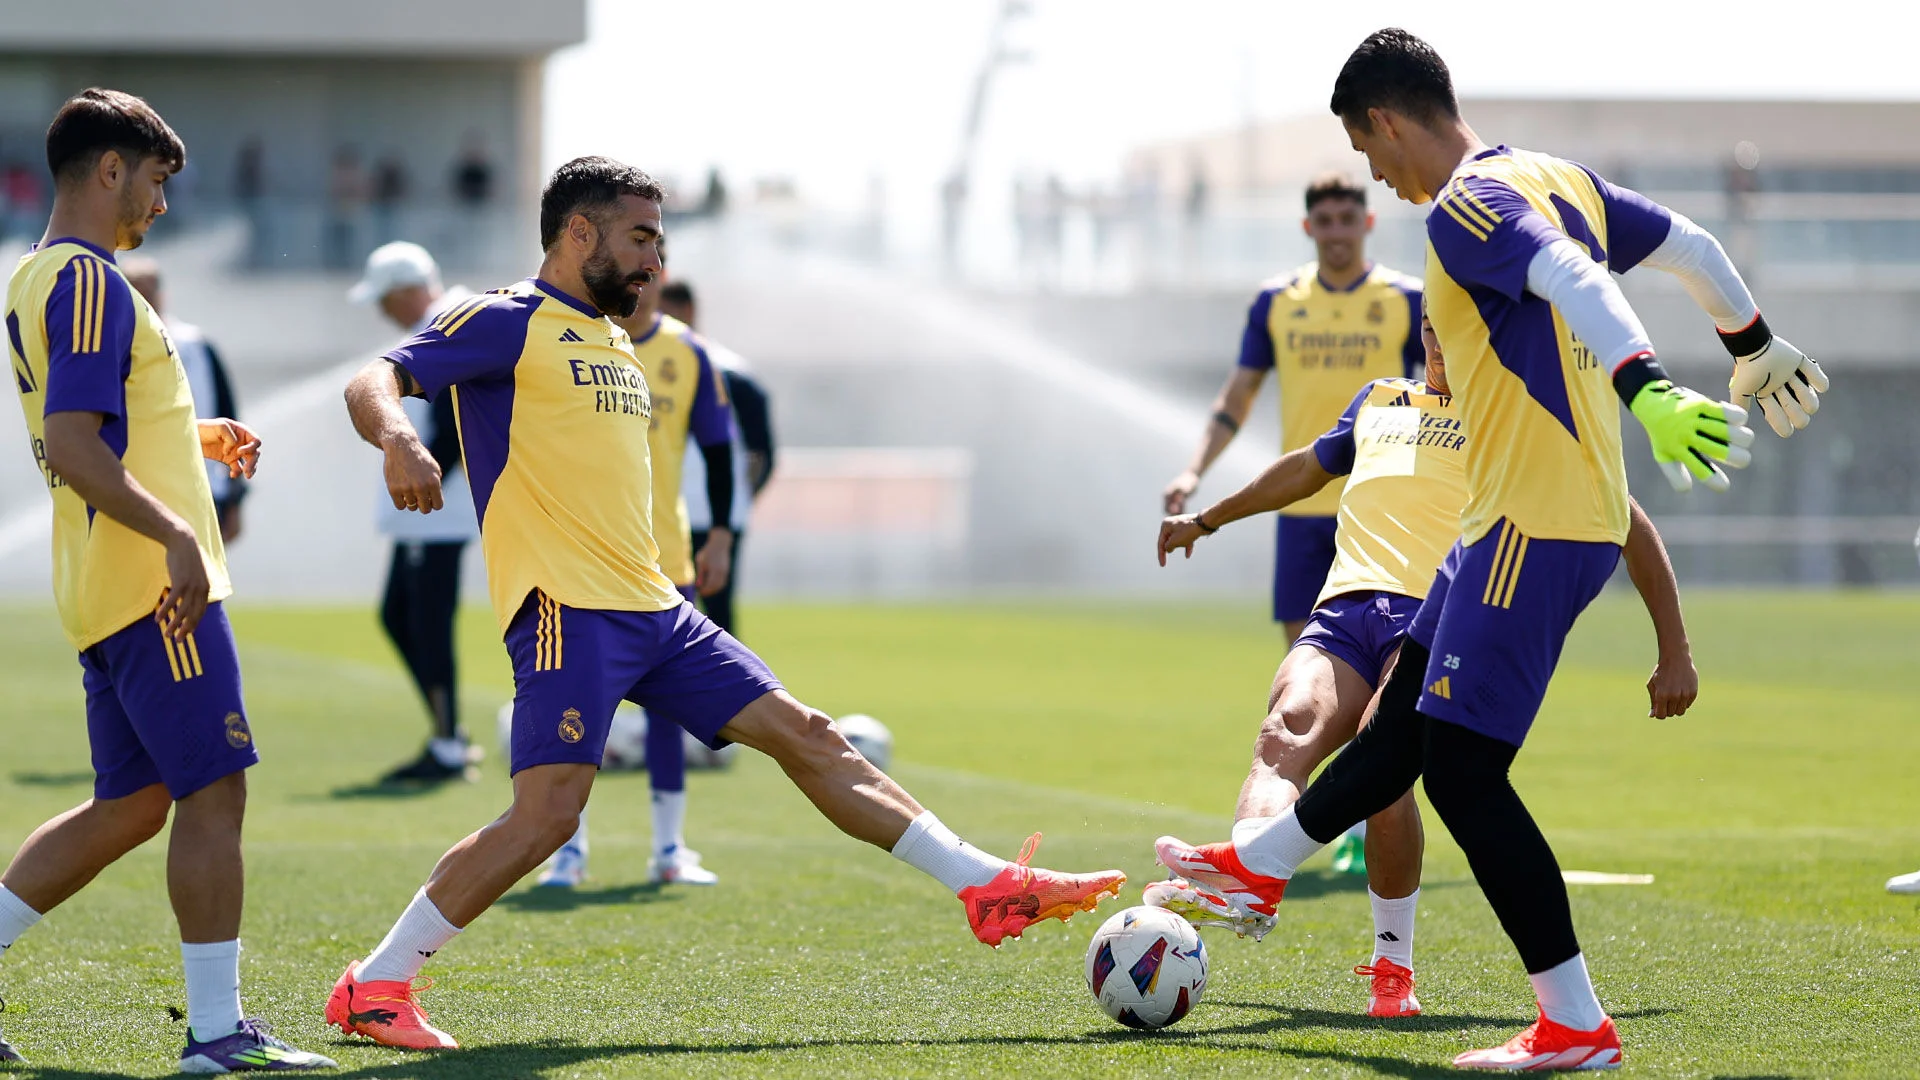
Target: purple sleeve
(709, 421)
(1413, 355)
(476, 338)
(89, 320)
(1636, 225)
(1256, 341)
(1334, 449)
(1485, 234)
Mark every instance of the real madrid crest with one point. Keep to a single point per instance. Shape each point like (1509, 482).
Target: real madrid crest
(1376, 314)
(669, 370)
(239, 736)
(571, 729)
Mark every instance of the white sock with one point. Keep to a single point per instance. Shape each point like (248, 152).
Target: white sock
(1566, 995)
(16, 918)
(1273, 846)
(669, 819)
(1393, 928)
(934, 850)
(420, 933)
(213, 987)
(1359, 831)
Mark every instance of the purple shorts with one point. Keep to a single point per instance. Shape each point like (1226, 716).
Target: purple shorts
(1302, 555)
(1362, 628)
(1495, 621)
(571, 666)
(166, 712)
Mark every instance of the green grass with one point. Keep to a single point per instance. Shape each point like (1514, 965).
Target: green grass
(1769, 817)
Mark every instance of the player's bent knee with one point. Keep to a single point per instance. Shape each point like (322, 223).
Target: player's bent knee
(141, 815)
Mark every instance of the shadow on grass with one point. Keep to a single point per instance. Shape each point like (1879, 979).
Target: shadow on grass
(517, 1061)
(541, 898)
(53, 779)
(1324, 882)
(374, 789)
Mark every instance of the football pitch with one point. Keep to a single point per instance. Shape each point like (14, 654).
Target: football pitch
(1764, 947)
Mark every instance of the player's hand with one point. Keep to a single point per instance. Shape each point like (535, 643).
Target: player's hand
(1785, 382)
(1692, 434)
(1179, 533)
(713, 563)
(231, 443)
(413, 477)
(1674, 686)
(185, 600)
(1174, 499)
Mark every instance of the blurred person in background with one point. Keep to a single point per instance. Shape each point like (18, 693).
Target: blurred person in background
(250, 191)
(389, 191)
(423, 581)
(348, 189)
(753, 450)
(207, 377)
(1327, 329)
(689, 408)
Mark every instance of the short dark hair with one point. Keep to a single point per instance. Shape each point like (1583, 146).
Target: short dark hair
(1334, 185)
(1392, 69)
(97, 120)
(676, 292)
(590, 186)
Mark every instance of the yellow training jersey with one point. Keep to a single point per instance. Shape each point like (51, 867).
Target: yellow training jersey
(1403, 451)
(1545, 420)
(688, 398)
(82, 340)
(1325, 343)
(553, 414)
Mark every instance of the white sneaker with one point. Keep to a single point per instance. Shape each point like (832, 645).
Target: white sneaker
(568, 868)
(1905, 883)
(681, 866)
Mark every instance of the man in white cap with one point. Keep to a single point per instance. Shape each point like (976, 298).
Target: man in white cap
(423, 583)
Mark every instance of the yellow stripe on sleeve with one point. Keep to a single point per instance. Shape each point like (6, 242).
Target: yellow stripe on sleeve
(446, 318)
(1447, 204)
(482, 302)
(1475, 199)
(99, 305)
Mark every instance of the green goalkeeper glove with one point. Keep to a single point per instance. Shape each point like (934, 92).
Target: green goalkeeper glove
(1692, 434)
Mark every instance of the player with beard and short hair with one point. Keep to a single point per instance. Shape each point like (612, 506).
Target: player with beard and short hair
(554, 415)
(139, 572)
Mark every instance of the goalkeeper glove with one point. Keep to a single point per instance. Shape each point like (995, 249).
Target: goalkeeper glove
(1692, 434)
(1785, 382)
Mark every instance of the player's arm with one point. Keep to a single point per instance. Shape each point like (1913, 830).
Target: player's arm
(1295, 476)
(751, 408)
(89, 320)
(1675, 684)
(1785, 382)
(710, 422)
(1485, 234)
(478, 338)
(1231, 407)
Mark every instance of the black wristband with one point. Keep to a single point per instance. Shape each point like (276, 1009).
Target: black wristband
(1750, 340)
(1634, 375)
(1226, 421)
(1204, 527)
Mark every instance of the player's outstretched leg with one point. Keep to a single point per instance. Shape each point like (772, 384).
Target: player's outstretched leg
(1377, 768)
(1002, 899)
(377, 996)
(1467, 782)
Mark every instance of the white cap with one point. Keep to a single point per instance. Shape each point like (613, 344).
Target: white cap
(394, 266)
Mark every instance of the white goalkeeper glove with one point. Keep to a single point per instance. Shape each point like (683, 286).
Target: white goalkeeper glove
(1769, 372)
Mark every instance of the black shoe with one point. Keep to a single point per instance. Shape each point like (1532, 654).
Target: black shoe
(427, 769)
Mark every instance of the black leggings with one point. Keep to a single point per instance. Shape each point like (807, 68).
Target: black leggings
(423, 591)
(1466, 780)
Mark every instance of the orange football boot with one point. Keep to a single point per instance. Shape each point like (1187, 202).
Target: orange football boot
(386, 1012)
(1218, 867)
(1549, 1047)
(1392, 989)
(1020, 896)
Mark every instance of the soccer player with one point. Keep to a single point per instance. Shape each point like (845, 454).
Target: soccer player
(139, 572)
(1325, 330)
(553, 421)
(1538, 341)
(1401, 445)
(753, 455)
(689, 401)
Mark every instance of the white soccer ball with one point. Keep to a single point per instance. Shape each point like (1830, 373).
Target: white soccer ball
(870, 737)
(1147, 967)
